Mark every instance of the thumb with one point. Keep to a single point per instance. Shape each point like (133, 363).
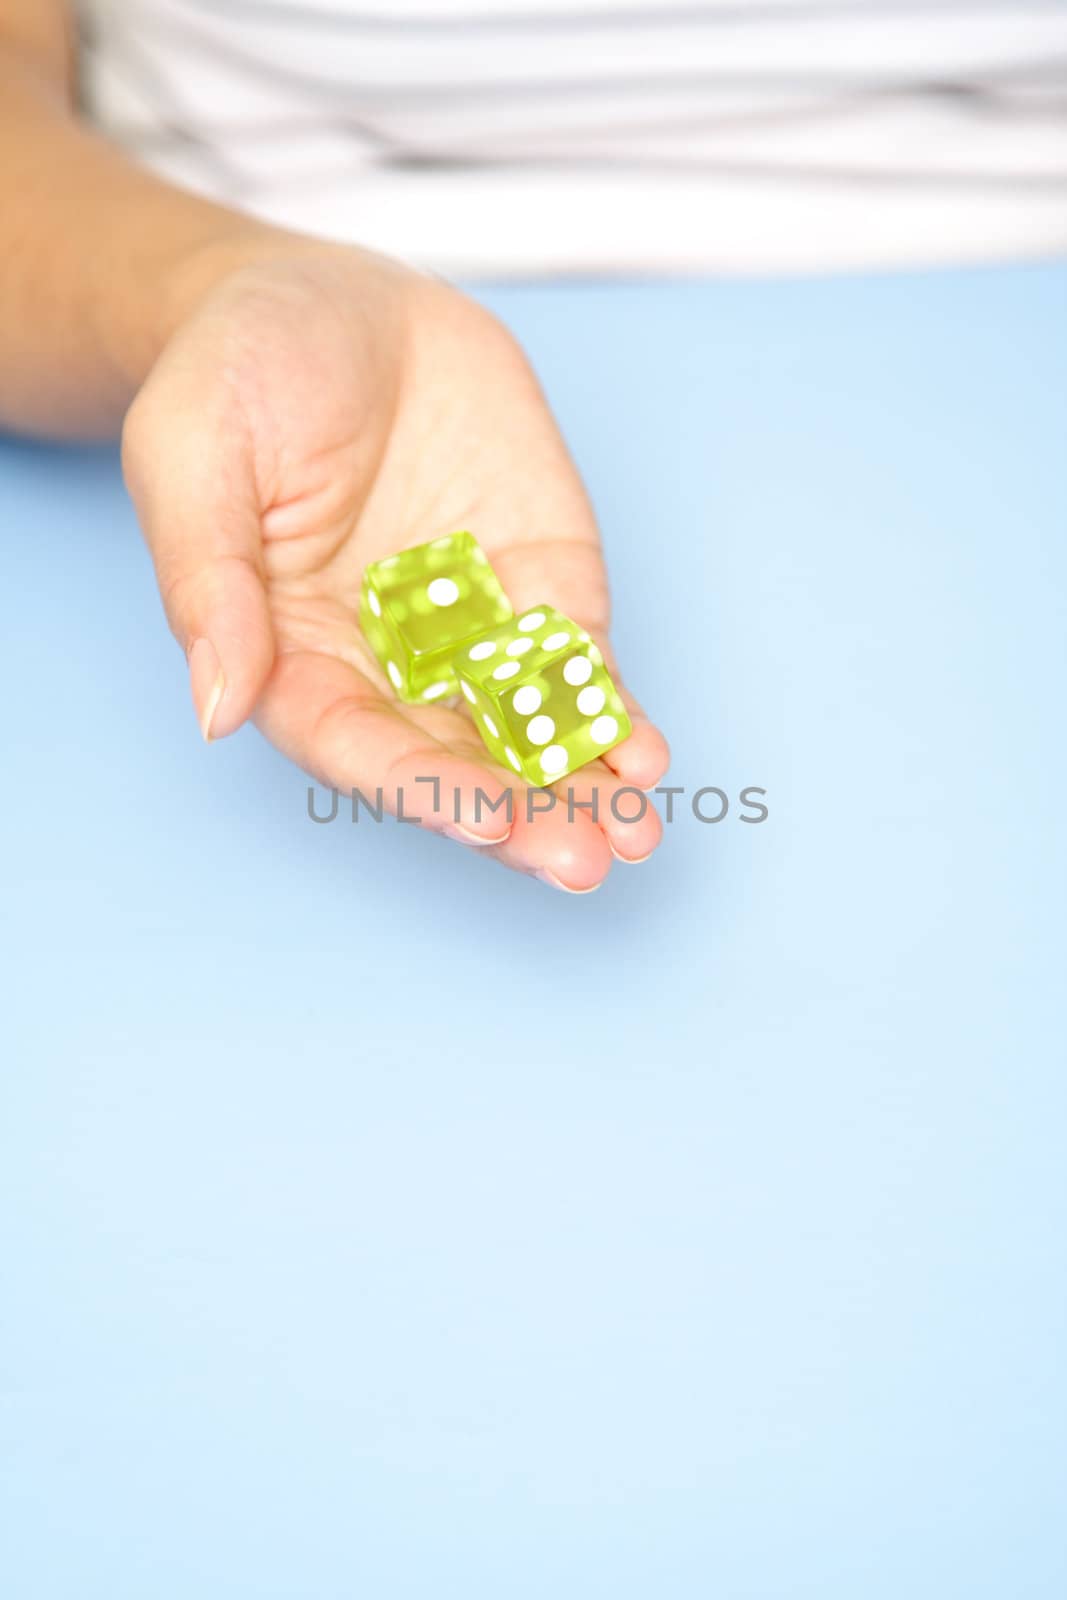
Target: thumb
(192, 481)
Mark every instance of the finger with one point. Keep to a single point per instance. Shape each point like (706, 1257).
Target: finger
(571, 572)
(626, 817)
(641, 759)
(192, 485)
(570, 852)
(570, 833)
(559, 833)
(338, 727)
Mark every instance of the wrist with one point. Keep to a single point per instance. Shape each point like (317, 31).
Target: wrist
(169, 274)
(202, 264)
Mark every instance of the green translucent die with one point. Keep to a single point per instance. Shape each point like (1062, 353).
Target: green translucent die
(541, 696)
(418, 608)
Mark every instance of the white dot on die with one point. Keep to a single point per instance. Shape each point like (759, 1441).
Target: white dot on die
(554, 759)
(442, 592)
(394, 672)
(506, 669)
(374, 603)
(527, 700)
(555, 641)
(590, 700)
(482, 650)
(518, 647)
(579, 669)
(435, 691)
(468, 691)
(604, 730)
(491, 725)
(513, 758)
(539, 730)
(528, 624)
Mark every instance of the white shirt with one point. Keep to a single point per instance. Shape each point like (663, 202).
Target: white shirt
(489, 137)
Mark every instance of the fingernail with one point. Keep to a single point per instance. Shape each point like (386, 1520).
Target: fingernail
(550, 878)
(207, 682)
(629, 861)
(464, 836)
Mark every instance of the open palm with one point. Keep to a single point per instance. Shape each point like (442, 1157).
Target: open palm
(316, 413)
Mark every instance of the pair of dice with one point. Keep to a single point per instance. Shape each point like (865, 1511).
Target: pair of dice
(439, 623)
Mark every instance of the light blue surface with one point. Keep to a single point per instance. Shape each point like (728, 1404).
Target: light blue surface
(351, 1247)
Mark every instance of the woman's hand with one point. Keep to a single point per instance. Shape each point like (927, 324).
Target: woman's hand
(316, 410)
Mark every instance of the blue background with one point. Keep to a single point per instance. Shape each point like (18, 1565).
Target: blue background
(375, 1222)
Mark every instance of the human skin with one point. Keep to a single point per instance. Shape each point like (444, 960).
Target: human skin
(290, 411)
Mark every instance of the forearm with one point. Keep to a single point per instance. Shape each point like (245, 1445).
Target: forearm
(98, 260)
